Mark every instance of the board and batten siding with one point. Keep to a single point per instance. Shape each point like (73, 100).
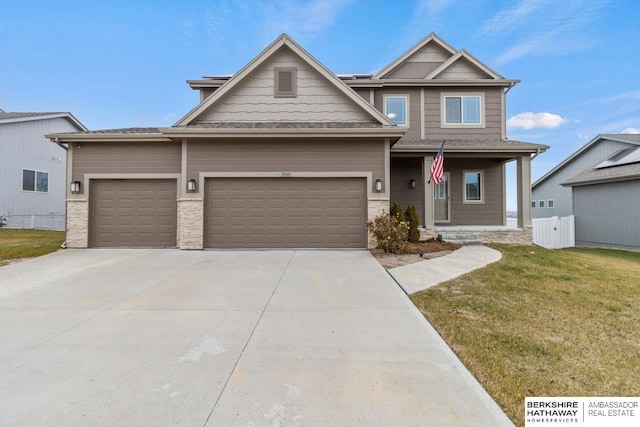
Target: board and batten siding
(125, 158)
(317, 99)
(550, 189)
(311, 155)
(607, 214)
(23, 146)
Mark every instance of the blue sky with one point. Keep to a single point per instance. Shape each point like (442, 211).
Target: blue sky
(124, 64)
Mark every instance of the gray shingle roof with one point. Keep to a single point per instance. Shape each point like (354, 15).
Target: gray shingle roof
(16, 115)
(616, 173)
(470, 144)
(116, 131)
(284, 125)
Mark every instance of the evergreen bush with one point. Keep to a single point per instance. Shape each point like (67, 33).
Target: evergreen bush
(413, 221)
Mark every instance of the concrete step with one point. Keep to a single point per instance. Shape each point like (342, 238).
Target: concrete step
(460, 238)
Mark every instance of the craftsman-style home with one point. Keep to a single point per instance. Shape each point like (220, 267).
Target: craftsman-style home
(286, 154)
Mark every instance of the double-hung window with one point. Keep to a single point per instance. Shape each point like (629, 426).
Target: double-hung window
(36, 181)
(473, 190)
(395, 108)
(462, 110)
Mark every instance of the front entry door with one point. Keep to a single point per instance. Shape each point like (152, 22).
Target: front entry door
(441, 200)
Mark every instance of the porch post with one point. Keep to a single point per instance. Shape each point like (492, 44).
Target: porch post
(524, 190)
(428, 192)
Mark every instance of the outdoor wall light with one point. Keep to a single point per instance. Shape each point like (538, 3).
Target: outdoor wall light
(378, 184)
(412, 183)
(75, 187)
(191, 186)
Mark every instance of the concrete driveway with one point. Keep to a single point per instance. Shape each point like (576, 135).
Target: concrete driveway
(218, 338)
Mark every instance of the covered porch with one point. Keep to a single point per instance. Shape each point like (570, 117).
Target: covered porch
(472, 197)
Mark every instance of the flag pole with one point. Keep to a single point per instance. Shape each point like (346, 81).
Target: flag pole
(441, 147)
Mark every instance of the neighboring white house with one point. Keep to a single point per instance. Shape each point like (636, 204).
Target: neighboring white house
(33, 170)
(600, 185)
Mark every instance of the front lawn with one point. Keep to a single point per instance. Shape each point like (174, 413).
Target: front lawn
(544, 323)
(27, 243)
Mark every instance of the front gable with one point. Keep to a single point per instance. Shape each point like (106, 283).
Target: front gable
(251, 96)
(419, 61)
(463, 66)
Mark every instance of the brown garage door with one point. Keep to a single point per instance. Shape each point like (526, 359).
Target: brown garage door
(285, 213)
(133, 213)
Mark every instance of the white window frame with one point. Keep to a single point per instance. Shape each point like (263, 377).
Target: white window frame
(533, 204)
(406, 108)
(464, 187)
(35, 181)
(443, 110)
(551, 204)
(541, 203)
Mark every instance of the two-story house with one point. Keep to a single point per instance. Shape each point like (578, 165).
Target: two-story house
(32, 170)
(286, 154)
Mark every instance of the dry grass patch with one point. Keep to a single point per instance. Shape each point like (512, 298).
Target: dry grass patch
(544, 323)
(26, 243)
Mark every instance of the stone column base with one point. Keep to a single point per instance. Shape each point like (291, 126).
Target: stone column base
(190, 233)
(77, 223)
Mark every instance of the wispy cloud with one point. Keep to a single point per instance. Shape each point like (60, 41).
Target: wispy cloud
(633, 131)
(227, 21)
(545, 27)
(530, 120)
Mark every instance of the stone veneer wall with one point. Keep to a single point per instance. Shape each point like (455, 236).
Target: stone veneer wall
(520, 237)
(190, 224)
(375, 208)
(77, 223)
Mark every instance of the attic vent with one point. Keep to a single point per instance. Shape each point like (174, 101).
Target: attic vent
(285, 82)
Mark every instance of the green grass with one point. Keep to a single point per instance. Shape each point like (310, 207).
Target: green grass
(544, 323)
(25, 243)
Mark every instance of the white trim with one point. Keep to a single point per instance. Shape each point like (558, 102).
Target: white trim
(461, 95)
(464, 187)
(551, 202)
(542, 204)
(422, 124)
(406, 107)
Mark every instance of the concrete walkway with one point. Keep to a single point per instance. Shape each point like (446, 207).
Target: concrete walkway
(422, 275)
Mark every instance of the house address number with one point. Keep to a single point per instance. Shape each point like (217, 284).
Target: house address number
(285, 174)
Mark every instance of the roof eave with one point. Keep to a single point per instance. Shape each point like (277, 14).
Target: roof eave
(472, 149)
(107, 137)
(600, 180)
(377, 83)
(175, 132)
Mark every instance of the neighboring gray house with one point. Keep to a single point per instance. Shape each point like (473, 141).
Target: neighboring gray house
(600, 185)
(33, 170)
(285, 153)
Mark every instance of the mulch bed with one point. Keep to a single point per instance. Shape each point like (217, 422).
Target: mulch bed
(431, 248)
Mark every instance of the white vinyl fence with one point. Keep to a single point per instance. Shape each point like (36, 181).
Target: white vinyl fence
(554, 232)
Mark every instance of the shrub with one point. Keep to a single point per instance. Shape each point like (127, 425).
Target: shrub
(397, 212)
(390, 233)
(413, 221)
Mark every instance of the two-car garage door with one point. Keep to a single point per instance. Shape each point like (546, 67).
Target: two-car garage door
(238, 213)
(285, 213)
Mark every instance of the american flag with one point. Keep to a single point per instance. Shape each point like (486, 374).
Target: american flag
(437, 168)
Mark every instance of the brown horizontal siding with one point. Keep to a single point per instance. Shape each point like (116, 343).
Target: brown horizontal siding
(126, 157)
(402, 171)
(413, 70)
(291, 156)
(492, 119)
(490, 212)
(413, 132)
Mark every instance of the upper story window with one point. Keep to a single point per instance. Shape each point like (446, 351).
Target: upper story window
(395, 108)
(36, 181)
(460, 110)
(473, 187)
(285, 84)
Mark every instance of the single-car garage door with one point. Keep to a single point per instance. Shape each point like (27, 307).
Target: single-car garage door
(133, 213)
(285, 213)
